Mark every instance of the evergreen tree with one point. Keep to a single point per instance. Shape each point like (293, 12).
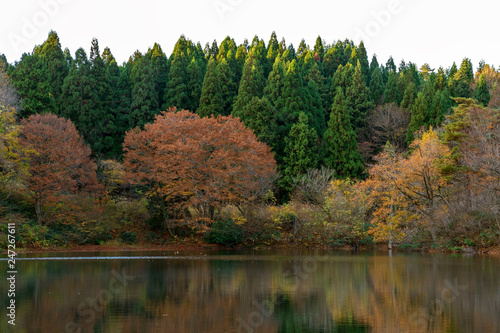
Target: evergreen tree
(274, 88)
(391, 94)
(377, 86)
(339, 140)
(358, 99)
(51, 52)
(300, 151)
(159, 69)
(332, 60)
(98, 126)
(144, 102)
(441, 105)
(421, 111)
(229, 86)
(251, 85)
(440, 82)
(319, 50)
(467, 70)
(77, 100)
(211, 102)
(409, 97)
(195, 84)
(177, 91)
(32, 81)
(273, 48)
(481, 94)
(362, 57)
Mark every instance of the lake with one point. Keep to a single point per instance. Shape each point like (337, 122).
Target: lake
(255, 291)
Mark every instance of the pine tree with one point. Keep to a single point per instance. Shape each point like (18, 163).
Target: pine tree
(420, 111)
(300, 151)
(177, 91)
(377, 86)
(391, 94)
(339, 141)
(274, 88)
(358, 99)
(77, 100)
(467, 70)
(195, 84)
(144, 103)
(99, 127)
(319, 50)
(251, 85)
(229, 86)
(159, 69)
(362, 57)
(481, 94)
(51, 52)
(32, 81)
(211, 102)
(409, 97)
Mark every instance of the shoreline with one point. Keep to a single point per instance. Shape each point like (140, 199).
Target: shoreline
(494, 251)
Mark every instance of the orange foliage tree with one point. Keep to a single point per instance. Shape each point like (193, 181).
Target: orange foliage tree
(202, 163)
(408, 190)
(60, 163)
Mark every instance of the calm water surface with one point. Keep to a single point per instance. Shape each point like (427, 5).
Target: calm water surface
(254, 291)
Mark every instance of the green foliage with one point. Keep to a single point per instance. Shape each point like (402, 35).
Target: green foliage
(392, 93)
(211, 102)
(226, 233)
(300, 151)
(339, 140)
(481, 93)
(128, 237)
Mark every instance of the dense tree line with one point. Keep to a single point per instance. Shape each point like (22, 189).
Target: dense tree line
(268, 86)
(324, 112)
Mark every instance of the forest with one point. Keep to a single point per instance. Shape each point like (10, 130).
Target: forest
(257, 144)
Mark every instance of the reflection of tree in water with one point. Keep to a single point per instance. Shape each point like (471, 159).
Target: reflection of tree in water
(293, 320)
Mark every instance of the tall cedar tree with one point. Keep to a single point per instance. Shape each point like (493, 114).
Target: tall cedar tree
(76, 98)
(31, 79)
(60, 163)
(177, 90)
(211, 102)
(228, 84)
(251, 85)
(339, 141)
(300, 151)
(53, 55)
(392, 94)
(159, 69)
(195, 83)
(144, 103)
(481, 93)
(358, 99)
(377, 86)
(420, 111)
(101, 131)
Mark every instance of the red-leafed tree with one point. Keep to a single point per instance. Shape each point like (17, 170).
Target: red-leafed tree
(202, 163)
(60, 163)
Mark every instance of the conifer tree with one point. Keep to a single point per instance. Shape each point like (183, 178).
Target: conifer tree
(228, 85)
(195, 84)
(158, 63)
(300, 151)
(481, 93)
(144, 103)
(409, 97)
(319, 50)
(32, 81)
(274, 88)
(377, 86)
(339, 141)
(211, 102)
(251, 85)
(420, 111)
(51, 52)
(177, 91)
(391, 94)
(358, 99)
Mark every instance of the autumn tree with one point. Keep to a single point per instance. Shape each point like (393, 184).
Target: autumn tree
(60, 164)
(202, 163)
(409, 192)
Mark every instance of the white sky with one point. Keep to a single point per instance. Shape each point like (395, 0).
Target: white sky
(434, 31)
